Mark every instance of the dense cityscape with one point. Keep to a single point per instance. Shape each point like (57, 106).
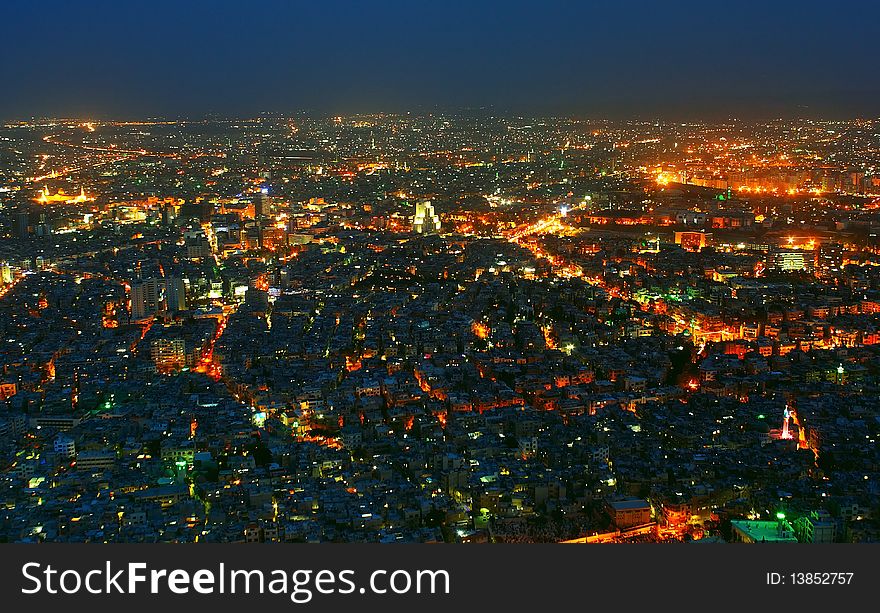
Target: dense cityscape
(465, 327)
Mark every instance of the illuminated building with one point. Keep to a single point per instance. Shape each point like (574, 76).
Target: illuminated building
(754, 531)
(5, 273)
(153, 296)
(260, 203)
(830, 259)
(175, 294)
(168, 354)
(31, 222)
(786, 432)
(425, 221)
(146, 298)
(817, 527)
(273, 237)
(7, 390)
(198, 247)
(790, 416)
(787, 260)
(169, 212)
(691, 241)
(629, 512)
(649, 244)
(60, 197)
(261, 210)
(181, 453)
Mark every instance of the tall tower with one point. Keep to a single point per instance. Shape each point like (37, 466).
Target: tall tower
(830, 258)
(260, 203)
(426, 220)
(5, 273)
(261, 209)
(175, 294)
(22, 223)
(146, 297)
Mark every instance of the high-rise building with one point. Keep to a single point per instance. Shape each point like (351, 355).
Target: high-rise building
(169, 212)
(175, 294)
(198, 248)
(168, 353)
(5, 273)
(43, 226)
(152, 296)
(261, 203)
(261, 210)
(830, 259)
(147, 297)
(22, 223)
(426, 220)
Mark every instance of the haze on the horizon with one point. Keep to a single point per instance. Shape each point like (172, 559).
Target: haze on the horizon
(688, 59)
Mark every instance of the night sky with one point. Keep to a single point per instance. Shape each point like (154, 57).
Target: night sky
(132, 59)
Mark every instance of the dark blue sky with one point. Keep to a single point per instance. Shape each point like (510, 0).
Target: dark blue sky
(130, 58)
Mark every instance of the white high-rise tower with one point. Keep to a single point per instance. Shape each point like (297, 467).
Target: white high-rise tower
(426, 220)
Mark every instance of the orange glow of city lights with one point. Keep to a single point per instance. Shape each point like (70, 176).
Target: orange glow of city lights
(480, 330)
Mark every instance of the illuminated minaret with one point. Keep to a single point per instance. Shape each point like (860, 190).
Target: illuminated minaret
(786, 417)
(74, 396)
